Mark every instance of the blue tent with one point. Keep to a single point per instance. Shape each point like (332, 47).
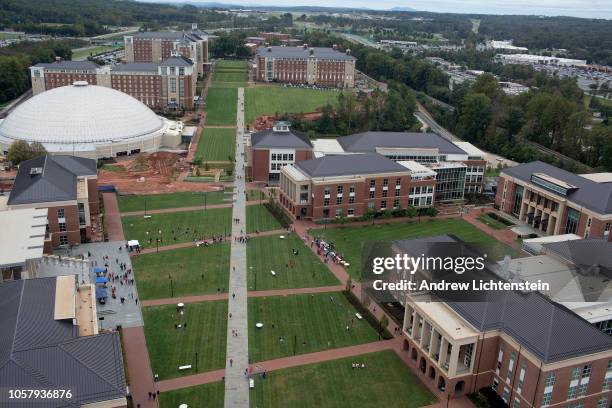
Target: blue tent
(99, 269)
(101, 293)
(101, 280)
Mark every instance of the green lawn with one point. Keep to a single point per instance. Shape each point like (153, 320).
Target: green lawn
(231, 65)
(230, 78)
(349, 240)
(258, 218)
(221, 106)
(194, 271)
(128, 203)
(313, 319)
(491, 222)
(169, 347)
(187, 226)
(206, 396)
(384, 382)
(305, 270)
(268, 100)
(217, 144)
(255, 195)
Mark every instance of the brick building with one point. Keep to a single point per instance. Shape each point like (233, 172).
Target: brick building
(349, 186)
(166, 85)
(530, 350)
(271, 149)
(67, 187)
(306, 65)
(156, 46)
(459, 166)
(556, 201)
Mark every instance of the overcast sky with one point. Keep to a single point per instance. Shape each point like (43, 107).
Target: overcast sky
(577, 8)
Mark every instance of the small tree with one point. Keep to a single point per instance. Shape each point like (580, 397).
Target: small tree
(18, 151)
(384, 322)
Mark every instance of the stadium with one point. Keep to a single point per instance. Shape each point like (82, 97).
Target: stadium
(88, 121)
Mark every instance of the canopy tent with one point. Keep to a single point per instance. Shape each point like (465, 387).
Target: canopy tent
(101, 279)
(133, 243)
(99, 269)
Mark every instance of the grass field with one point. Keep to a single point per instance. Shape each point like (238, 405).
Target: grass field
(268, 100)
(307, 323)
(217, 144)
(384, 382)
(221, 106)
(349, 240)
(130, 203)
(265, 254)
(194, 271)
(169, 347)
(254, 195)
(206, 396)
(230, 74)
(491, 222)
(258, 218)
(187, 226)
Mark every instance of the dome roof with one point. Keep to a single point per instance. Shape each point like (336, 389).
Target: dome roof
(80, 113)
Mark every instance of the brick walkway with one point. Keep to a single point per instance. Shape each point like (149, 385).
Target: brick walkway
(139, 368)
(112, 217)
(504, 235)
(184, 209)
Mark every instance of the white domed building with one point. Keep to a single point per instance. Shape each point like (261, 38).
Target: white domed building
(89, 121)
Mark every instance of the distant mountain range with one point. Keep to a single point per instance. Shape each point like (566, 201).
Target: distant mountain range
(311, 9)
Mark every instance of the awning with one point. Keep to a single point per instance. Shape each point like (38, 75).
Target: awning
(133, 243)
(101, 280)
(99, 269)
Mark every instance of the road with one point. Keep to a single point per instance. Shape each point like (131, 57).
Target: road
(426, 118)
(9, 108)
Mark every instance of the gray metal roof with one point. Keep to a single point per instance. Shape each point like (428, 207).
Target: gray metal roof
(369, 141)
(166, 35)
(37, 351)
(349, 164)
(135, 66)
(269, 139)
(56, 181)
(589, 194)
(547, 329)
(300, 52)
(177, 61)
(585, 252)
(72, 65)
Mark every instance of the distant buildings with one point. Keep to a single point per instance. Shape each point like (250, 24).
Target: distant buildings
(506, 45)
(156, 46)
(556, 201)
(326, 67)
(166, 85)
(528, 59)
(67, 187)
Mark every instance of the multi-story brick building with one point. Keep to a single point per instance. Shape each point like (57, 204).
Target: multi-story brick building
(530, 350)
(272, 36)
(65, 185)
(156, 46)
(271, 149)
(459, 166)
(166, 85)
(556, 201)
(306, 65)
(349, 186)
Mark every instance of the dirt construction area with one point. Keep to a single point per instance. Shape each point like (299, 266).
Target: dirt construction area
(154, 173)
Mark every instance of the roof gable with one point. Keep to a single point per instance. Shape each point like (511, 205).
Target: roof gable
(370, 141)
(281, 140)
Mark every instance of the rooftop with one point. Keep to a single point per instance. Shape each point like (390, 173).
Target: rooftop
(270, 139)
(344, 165)
(176, 61)
(49, 178)
(23, 235)
(71, 65)
(38, 350)
(595, 196)
(301, 52)
(135, 66)
(371, 141)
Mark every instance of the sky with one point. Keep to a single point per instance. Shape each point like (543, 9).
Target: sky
(576, 8)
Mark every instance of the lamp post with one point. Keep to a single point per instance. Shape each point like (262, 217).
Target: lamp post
(171, 288)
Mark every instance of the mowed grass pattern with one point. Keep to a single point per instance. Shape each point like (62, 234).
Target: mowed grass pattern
(185, 226)
(307, 323)
(206, 396)
(384, 382)
(268, 100)
(170, 347)
(305, 270)
(217, 145)
(128, 203)
(348, 241)
(221, 106)
(260, 219)
(194, 271)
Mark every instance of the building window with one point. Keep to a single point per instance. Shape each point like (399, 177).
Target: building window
(602, 403)
(510, 367)
(350, 212)
(63, 240)
(546, 398)
(586, 371)
(506, 395)
(572, 392)
(495, 384)
(383, 204)
(326, 202)
(327, 191)
(550, 380)
(340, 189)
(351, 199)
(517, 403)
(385, 193)
(62, 227)
(396, 203)
(372, 194)
(582, 389)
(338, 212)
(372, 183)
(398, 182)
(500, 358)
(385, 182)
(352, 190)
(60, 213)
(338, 200)
(521, 381)
(371, 205)
(573, 216)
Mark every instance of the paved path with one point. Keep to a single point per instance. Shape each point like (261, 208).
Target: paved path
(138, 365)
(236, 383)
(112, 217)
(192, 208)
(225, 296)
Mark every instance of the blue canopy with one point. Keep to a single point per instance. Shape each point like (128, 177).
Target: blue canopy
(101, 280)
(99, 269)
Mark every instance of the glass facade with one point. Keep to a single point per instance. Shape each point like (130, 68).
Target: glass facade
(518, 199)
(450, 183)
(573, 216)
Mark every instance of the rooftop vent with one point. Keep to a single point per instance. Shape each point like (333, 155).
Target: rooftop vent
(80, 83)
(35, 171)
